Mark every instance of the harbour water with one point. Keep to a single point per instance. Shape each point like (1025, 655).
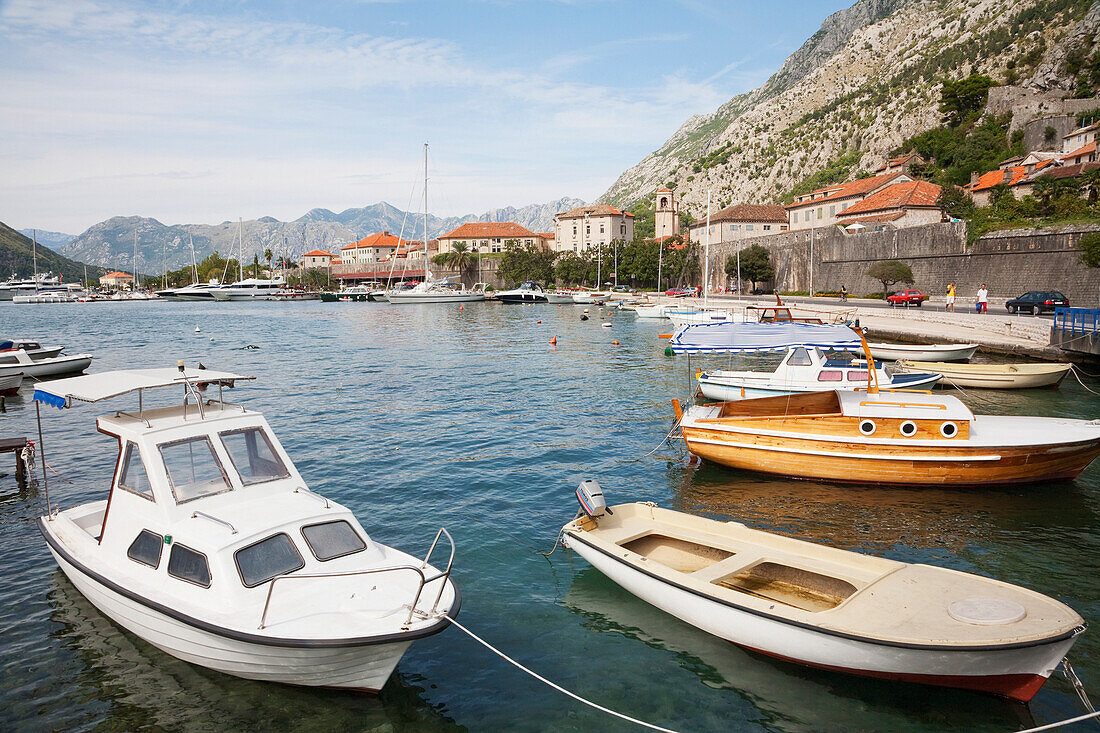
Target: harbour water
(417, 417)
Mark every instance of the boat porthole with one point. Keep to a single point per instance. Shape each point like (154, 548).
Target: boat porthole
(908, 428)
(867, 427)
(949, 430)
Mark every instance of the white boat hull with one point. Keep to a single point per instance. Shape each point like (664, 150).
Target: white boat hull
(363, 668)
(990, 670)
(728, 390)
(680, 319)
(11, 383)
(923, 352)
(49, 367)
(430, 297)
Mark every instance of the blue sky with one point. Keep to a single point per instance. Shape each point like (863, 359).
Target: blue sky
(205, 111)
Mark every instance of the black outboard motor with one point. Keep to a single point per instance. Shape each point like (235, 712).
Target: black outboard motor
(590, 496)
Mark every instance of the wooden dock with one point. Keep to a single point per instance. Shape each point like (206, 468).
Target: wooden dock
(16, 446)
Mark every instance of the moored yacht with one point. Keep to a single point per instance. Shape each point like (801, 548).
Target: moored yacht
(210, 546)
(433, 290)
(253, 288)
(528, 292)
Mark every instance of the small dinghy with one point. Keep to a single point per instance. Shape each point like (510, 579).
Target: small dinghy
(923, 352)
(210, 546)
(991, 376)
(825, 607)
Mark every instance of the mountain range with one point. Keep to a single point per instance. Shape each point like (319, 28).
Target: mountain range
(856, 89)
(111, 243)
(18, 255)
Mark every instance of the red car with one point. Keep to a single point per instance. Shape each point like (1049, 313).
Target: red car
(907, 298)
(680, 292)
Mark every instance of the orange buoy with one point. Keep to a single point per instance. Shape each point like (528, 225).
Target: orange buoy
(462, 307)
(554, 341)
(614, 343)
(664, 335)
(538, 321)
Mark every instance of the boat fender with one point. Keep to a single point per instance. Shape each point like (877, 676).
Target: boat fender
(606, 325)
(591, 498)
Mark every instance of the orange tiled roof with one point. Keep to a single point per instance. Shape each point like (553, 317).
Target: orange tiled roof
(846, 190)
(1008, 176)
(1067, 171)
(1083, 150)
(666, 189)
(747, 212)
(484, 230)
(602, 210)
(546, 235)
(381, 239)
(894, 162)
(119, 274)
(878, 217)
(914, 194)
(319, 253)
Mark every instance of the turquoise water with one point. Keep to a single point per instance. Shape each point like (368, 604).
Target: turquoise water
(417, 417)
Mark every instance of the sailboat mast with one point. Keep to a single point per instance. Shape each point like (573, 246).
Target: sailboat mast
(133, 289)
(706, 256)
(194, 267)
(425, 211)
(240, 248)
(34, 256)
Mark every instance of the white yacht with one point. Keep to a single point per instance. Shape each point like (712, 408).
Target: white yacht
(528, 292)
(434, 290)
(31, 286)
(252, 288)
(197, 291)
(215, 551)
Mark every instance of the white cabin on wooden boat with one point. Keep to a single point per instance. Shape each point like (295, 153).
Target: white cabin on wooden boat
(210, 546)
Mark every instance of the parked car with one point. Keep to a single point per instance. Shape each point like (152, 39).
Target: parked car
(906, 298)
(681, 291)
(1037, 301)
(623, 289)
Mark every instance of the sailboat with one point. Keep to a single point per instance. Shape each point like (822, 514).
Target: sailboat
(56, 293)
(253, 288)
(432, 289)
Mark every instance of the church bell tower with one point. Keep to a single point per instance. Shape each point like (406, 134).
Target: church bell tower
(666, 218)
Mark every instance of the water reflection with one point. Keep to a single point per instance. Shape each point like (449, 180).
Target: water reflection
(148, 688)
(792, 697)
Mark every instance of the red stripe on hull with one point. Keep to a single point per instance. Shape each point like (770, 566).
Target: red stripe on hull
(1020, 687)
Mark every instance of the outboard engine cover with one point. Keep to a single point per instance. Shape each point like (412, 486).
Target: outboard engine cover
(590, 496)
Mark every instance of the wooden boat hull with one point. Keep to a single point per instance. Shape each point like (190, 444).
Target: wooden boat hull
(1016, 673)
(854, 461)
(994, 376)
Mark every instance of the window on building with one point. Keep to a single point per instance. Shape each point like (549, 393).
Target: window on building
(574, 230)
(734, 227)
(818, 212)
(832, 211)
(601, 228)
(133, 477)
(782, 227)
(807, 216)
(587, 229)
(767, 227)
(748, 227)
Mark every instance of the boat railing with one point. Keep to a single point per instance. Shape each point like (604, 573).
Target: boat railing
(304, 490)
(204, 515)
(424, 579)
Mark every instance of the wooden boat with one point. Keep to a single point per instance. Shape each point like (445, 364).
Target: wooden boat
(807, 370)
(992, 376)
(825, 607)
(874, 437)
(923, 352)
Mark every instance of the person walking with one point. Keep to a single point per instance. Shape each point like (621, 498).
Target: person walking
(843, 294)
(983, 299)
(950, 297)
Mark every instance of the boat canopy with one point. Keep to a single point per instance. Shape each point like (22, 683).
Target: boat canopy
(95, 387)
(707, 338)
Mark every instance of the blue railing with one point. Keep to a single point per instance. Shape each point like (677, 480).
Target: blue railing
(1077, 321)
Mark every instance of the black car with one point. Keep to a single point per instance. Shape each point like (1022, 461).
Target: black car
(1037, 301)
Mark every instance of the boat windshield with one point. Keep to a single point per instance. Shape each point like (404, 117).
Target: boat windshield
(193, 469)
(253, 456)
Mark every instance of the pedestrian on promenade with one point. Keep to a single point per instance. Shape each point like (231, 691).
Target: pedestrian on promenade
(950, 297)
(843, 293)
(983, 299)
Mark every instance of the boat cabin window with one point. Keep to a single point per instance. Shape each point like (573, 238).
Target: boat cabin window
(332, 539)
(830, 375)
(187, 564)
(253, 455)
(134, 477)
(267, 559)
(799, 357)
(854, 376)
(146, 548)
(193, 469)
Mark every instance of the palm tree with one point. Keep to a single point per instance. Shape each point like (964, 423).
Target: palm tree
(460, 257)
(268, 255)
(1090, 179)
(1044, 188)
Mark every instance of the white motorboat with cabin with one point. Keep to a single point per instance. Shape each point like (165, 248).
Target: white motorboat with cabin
(559, 297)
(48, 296)
(681, 317)
(197, 291)
(528, 292)
(825, 607)
(590, 297)
(252, 288)
(654, 310)
(30, 286)
(211, 547)
(34, 349)
(16, 362)
(803, 368)
(923, 352)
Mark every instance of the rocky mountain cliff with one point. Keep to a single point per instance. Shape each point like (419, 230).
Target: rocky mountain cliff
(867, 80)
(111, 243)
(18, 255)
(50, 239)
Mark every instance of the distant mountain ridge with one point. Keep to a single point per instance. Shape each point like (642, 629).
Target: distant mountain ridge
(50, 239)
(18, 254)
(111, 242)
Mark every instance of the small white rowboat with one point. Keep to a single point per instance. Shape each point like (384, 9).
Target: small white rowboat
(923, 352)
(828, 608)
(991, 376)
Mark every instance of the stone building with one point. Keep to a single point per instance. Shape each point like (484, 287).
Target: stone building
(666, 214)
(317, 259)
(820, 208)
(377, 247)
(117, 280)
(900, 165)
(740, 221)
(1076, 139)
(585, 227)
(489, 237)
(901, 205)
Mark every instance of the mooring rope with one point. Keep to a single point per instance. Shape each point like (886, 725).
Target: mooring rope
(557, 687)
(1073, 370)
(1060, 723)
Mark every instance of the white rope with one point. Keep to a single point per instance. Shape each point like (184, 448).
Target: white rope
(559, 688)
(1073, 370)
(1060, 723)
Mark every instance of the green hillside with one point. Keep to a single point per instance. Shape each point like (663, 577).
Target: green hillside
(16, 258)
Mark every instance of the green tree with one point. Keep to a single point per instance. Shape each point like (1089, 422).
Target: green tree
(256, 265)
(269, 255)
(644, 225)
(1089, 246)
(962, 100)
(527, 263)
(889, 272)
(756, 265)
